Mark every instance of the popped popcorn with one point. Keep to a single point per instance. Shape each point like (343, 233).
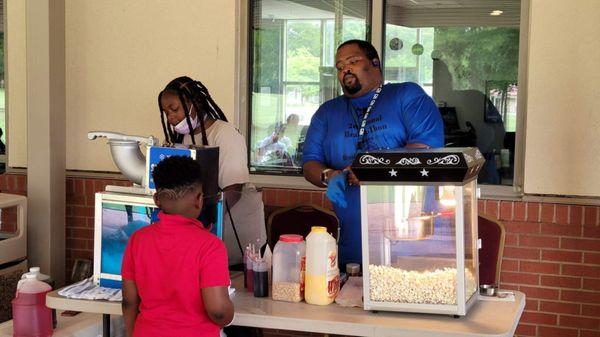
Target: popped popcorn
(389, 284)
(287, 291)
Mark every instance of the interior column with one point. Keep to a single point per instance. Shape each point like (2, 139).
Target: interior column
(46, 119)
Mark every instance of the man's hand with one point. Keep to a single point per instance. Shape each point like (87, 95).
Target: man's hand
(337, 188)
(352, 179)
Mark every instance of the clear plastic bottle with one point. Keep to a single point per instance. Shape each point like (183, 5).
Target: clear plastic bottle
(322, 276)
(260, 273)
(31, 317)
(353, 269)
(38, 275)
(44, 278)
(249, 273)
(288, 268)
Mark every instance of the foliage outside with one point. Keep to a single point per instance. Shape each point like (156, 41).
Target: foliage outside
(475, 55)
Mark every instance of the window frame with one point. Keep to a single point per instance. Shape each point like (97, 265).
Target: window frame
(244, 75)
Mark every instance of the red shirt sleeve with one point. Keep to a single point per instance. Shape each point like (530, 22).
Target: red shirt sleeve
(127, 267)
(214, 266)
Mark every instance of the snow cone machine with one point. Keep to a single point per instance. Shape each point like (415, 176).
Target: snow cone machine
(121, 210)
(419, 229)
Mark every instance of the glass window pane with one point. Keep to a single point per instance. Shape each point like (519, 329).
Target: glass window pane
(467, 60)
(293, 51)
(412, 244)
(470, 220)
(303, 51)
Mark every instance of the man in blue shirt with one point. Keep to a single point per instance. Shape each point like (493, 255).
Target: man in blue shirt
(369, 116)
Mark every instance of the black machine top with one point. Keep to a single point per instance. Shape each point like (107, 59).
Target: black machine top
(420, 166)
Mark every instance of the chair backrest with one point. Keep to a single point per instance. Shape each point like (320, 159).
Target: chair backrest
(491, 232)
(299, 219)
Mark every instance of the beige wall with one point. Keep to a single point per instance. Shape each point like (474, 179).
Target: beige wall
(563, 109)
(16, 89)
(120, 54)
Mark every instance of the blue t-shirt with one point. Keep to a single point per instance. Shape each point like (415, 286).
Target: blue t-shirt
(403, 114)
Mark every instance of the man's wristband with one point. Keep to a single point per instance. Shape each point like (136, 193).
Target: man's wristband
(324, 179)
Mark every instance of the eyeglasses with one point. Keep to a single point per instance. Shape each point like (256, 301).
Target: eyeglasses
(341, 65)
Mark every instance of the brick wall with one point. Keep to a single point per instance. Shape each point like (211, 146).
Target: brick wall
(552, 252)
(8, 220)
(79, 212)
(16, 184)
(80, 217)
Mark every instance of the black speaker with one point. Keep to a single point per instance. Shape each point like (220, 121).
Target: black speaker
(208, 157)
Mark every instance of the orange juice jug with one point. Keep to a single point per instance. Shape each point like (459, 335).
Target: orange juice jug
(322, 277)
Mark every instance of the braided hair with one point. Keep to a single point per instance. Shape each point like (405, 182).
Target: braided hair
(175, 176)
(197, 94)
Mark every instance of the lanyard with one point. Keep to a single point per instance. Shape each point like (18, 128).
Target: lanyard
(361, 131)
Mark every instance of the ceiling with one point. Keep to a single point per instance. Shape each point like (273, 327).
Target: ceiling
(454, 3)
(448, 13)
(410, 13)
(310, 9)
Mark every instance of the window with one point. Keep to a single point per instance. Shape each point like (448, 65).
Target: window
(466, 57)
(464, 54)
(292, 61)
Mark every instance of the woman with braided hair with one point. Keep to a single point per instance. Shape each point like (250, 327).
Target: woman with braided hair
(189, 115)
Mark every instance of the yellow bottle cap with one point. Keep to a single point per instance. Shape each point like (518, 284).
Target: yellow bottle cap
(318, 229)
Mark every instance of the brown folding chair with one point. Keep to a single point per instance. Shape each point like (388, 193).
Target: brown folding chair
(491, 233)
(299, 219)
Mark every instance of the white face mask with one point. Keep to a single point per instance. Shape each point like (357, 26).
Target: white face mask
(182, 127)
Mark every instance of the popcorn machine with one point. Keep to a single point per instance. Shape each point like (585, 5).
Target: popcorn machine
(419, 229)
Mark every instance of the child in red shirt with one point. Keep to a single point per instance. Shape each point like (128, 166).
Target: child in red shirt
(175, 275)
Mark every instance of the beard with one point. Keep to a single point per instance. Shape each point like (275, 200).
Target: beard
(351, 88)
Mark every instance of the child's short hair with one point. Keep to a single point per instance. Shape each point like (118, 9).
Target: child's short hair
(177, 175)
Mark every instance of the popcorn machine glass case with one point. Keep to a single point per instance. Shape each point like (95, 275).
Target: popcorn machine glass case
(419, 229)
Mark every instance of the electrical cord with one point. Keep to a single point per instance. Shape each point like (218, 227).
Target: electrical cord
(237, 238)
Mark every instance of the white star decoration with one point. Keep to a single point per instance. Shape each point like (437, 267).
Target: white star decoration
(424, 173)
(393, 173)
